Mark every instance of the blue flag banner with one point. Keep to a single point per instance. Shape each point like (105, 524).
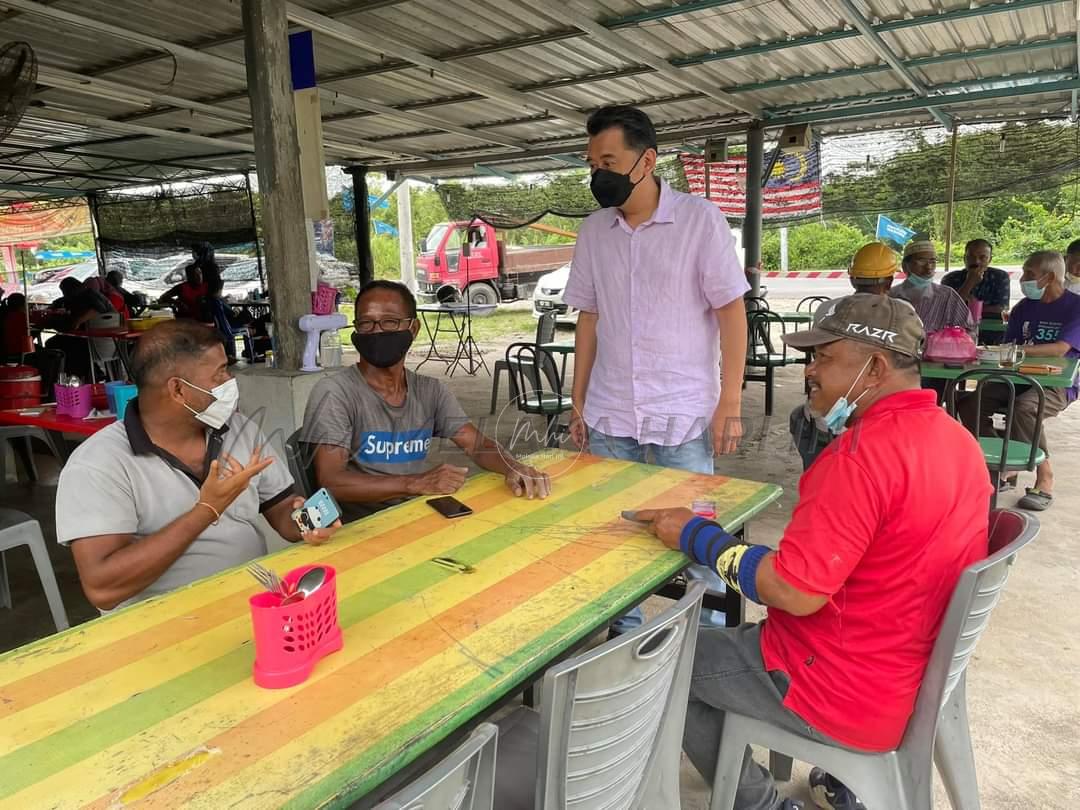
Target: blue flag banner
(893, 231)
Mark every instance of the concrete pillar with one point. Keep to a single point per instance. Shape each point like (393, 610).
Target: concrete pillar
(751, 234)
(362, 221)
(405, 236)
(277, 159)
(784, 249)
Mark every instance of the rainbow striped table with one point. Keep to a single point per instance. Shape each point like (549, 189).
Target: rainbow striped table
(155, 705)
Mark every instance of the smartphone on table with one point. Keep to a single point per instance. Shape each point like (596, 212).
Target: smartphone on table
(318, 512)
(449, 507)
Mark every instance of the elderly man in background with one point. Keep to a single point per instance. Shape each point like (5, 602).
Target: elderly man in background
(937, 306)
(856, 591)
(171, 494)
(1072, 266)
(1047, 321)
(871, 271)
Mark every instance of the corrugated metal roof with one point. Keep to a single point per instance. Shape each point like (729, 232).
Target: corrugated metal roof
(508, 69)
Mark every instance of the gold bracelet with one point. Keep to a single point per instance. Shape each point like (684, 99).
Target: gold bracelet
(217, 514)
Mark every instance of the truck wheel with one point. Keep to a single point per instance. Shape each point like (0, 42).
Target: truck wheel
(481, 295)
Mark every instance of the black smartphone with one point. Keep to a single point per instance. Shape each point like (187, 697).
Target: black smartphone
(632, 516)
(449, 507)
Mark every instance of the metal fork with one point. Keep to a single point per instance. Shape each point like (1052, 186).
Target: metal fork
(267, 578)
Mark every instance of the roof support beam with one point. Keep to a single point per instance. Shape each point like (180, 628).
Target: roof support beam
(231, 67)
(493, 171)
(854, 111)
(44, 191)
(622, 47)
(329, 27)
(57, 114)
(885, 52)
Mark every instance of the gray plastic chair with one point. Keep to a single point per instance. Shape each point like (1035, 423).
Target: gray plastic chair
(609, 731)
(465, 780)
(19, 529)
(300, 466)
(938, 730)
(20, 436)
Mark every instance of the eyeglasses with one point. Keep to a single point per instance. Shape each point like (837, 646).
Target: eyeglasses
(385, 325)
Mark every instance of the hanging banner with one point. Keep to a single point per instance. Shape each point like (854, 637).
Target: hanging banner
(25, 223)
(309, 131)
(793, 190)
(324, 236)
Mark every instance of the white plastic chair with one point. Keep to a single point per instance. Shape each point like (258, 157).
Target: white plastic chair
(465, 780)
(938, 730)
(609, 732)
(19, 529)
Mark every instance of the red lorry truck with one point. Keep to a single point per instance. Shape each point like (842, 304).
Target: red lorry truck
(468, 259)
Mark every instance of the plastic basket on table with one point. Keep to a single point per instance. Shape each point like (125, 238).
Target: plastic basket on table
(74, 401)
(290, 640)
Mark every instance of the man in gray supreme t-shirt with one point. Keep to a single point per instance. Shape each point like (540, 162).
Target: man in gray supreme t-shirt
(371, 426)
(172, 493)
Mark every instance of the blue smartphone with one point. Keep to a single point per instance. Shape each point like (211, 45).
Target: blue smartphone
(318, 512)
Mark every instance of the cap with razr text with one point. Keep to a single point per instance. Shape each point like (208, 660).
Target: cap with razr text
(878, 320)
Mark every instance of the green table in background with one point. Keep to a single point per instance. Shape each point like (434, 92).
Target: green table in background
(938, 371)
(993, 324)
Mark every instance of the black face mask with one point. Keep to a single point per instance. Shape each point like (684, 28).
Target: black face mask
(383, 349)
(612, 189)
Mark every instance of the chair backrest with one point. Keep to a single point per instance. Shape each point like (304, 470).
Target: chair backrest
(1008, 378)
(301, 461)
(811, 302)
(523, 360)
(465, 780)
(545, 328)
(612, 719)
(755, 302)
(974, 598)
(759, 324)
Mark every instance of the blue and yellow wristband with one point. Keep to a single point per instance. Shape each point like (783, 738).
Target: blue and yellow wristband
(736, 562)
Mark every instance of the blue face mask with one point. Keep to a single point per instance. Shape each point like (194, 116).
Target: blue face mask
(841, 411)
(918, 282)
(1032, 290)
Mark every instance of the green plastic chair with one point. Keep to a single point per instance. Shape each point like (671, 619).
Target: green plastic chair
(1002, 453)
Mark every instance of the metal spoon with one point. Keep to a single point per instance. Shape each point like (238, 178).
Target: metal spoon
(307, 585)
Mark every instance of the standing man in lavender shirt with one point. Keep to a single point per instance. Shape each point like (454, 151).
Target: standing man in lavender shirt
(660, 289)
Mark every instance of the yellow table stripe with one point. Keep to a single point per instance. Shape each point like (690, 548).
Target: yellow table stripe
(89, 697)
(165, 742)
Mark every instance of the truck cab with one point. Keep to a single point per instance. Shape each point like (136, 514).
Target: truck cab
(443, 262)
(468, 259)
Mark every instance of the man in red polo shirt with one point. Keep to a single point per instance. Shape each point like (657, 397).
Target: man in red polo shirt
(888, 517)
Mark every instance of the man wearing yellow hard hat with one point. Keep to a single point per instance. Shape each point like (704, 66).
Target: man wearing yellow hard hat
(871, 271)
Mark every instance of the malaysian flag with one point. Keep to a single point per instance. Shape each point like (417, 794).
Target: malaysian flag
(793, 190)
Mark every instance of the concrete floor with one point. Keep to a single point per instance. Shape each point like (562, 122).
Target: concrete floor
(1023, 679)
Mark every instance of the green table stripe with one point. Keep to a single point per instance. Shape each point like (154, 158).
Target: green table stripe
(41, 759)
(353, 780)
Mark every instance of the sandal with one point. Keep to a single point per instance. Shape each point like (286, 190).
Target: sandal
(1036, 500)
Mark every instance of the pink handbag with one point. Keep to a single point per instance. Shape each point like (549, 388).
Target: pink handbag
(951, 345)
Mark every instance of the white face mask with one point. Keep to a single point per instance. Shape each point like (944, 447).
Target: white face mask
(1072, 283)
(226, 397)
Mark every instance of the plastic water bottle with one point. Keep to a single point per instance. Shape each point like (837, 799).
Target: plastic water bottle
(330, 349)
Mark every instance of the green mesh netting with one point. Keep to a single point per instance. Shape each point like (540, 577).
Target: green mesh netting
(895, 171)
(518, 204)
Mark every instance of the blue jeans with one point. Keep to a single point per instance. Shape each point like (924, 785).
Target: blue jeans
(694, 456)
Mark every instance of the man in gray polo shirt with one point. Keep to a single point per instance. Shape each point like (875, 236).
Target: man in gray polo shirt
(171, 494)
(371, 426)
